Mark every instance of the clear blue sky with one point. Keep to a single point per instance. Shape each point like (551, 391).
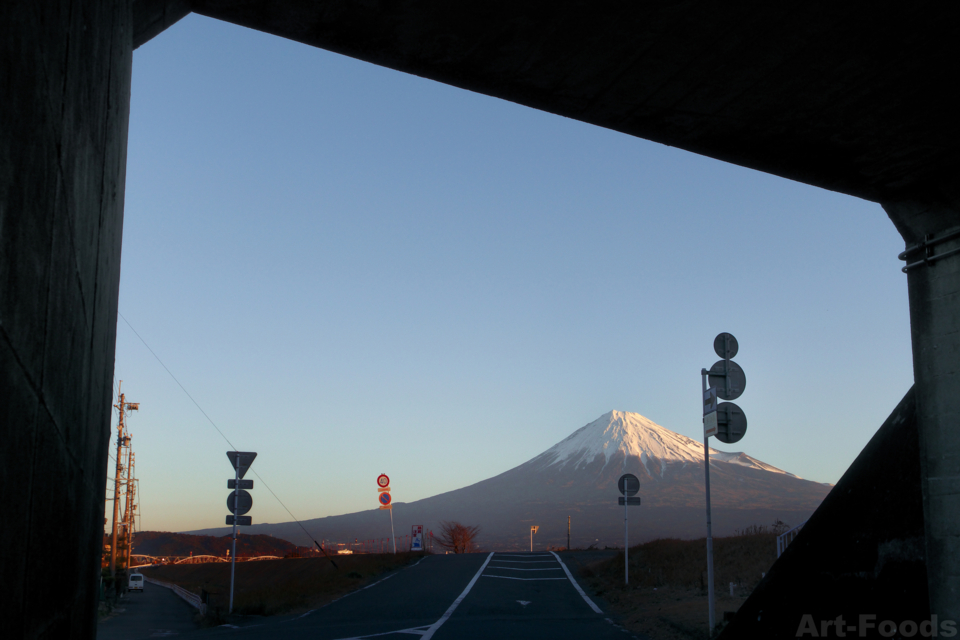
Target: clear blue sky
(358, 271)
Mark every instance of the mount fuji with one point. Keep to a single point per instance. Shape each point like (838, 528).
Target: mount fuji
(577, 477)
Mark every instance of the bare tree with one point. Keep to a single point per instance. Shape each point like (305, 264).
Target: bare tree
(457, 537)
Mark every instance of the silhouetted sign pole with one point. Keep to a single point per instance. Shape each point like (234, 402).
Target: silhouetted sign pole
(239, 502)
(726, 421)
(629, 485)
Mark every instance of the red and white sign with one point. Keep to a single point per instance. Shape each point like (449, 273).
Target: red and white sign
(416, 537)
(383, 480)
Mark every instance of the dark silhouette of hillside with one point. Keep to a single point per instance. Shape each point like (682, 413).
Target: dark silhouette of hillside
(164, 543)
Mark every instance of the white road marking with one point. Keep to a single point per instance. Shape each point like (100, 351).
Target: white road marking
(519, 569)
(577, 586)
(526, 561)
(358, 590)
(523, 603)
(417, 631)
(456, 603)
(487, 575)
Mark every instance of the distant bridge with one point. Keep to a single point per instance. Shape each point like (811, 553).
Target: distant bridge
(141, 560)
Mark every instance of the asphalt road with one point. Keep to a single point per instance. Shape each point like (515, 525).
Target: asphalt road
(453, 597)
(155, 613)
(450, 597)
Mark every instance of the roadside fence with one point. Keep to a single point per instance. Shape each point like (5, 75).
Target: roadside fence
(191, 598)
(787, 537)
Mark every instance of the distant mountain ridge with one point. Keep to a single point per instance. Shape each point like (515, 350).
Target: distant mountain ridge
(577, 477)
(164, 543)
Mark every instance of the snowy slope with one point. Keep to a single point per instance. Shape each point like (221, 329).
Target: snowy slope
(631, 434)
(577, 478)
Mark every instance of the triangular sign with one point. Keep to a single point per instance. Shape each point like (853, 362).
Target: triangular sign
(241, 460)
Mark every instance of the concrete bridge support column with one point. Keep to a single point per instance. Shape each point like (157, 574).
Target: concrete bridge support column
(65, 69)
(934, 290)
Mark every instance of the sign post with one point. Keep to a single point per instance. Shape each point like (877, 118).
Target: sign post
(727, 422)
(629, 485)
(386, 502)
(239, 502)
(533, 530)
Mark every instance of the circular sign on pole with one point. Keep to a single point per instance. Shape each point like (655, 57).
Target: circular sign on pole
(243, 503)
(628, 484)
(385, 498)
(383, 480)
(726, 346)
(731, 385)
(731, 423)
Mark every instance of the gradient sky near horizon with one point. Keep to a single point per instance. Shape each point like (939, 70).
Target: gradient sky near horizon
(355, 271)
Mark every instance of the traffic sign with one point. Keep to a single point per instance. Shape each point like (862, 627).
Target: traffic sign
(416, 537)
(383, 480)
(241, 460)
(628, 484)
(709, 400)
(382, 489)
(633, 501)
(731, 423)
(385, 498)
(244, 484)
(386, 506)
(726, 346)
(710, 424)
(728, 378)
(243, 521)
(239, 502)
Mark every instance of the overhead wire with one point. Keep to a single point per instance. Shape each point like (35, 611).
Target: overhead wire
(222, 435)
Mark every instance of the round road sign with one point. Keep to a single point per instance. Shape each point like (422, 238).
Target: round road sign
(244, 502)
(730, 386)
(731, 422)
(385, 498)
(383, 480)
(726, 346)
(628, 484)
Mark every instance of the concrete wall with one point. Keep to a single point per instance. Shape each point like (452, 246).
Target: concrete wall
(861, 553)
(934, 290)
(64, 106)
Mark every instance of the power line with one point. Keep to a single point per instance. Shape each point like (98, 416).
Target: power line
(178, 382)
(295, 519)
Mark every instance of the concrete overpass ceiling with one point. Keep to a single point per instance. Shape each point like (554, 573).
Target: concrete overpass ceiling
(845, 96)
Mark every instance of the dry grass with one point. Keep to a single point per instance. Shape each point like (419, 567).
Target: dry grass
(291, 585)
(667, 596)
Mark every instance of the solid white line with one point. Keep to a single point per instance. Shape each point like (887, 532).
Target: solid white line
(417, 631)
(487, 575)
(526, 561)
(576, 586)
(535, 555)
(519, 569)
(456, 603)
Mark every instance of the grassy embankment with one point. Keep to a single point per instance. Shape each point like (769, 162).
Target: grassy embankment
(270, 587)
(667, 595)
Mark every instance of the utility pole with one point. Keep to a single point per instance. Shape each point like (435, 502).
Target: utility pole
(131, 496)
(568, 533)
(122, 439)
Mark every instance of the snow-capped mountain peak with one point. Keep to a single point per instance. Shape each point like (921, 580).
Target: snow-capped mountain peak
(634, 435)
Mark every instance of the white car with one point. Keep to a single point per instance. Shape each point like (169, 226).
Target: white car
(135, 583)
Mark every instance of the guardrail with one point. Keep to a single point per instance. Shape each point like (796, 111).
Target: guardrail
(787, 537)
(191, 598)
